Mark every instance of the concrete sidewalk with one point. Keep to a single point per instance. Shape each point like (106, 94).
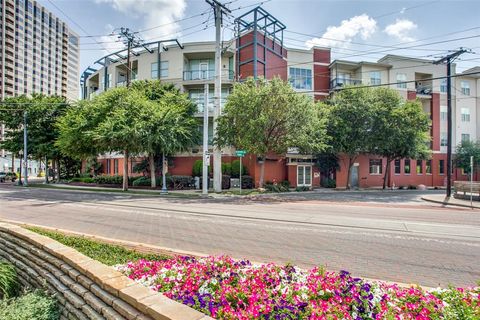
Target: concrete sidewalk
(442, 199)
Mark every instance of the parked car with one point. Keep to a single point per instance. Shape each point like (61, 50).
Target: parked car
(7, 176)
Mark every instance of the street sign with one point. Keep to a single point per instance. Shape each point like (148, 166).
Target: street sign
(240, 153)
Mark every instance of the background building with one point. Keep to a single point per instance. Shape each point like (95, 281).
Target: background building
(38, 54)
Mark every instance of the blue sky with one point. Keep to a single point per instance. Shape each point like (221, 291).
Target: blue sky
(356, 30)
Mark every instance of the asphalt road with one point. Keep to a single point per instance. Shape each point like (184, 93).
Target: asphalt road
(392, 236)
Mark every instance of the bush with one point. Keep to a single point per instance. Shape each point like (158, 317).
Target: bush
(235, 169)
(197, 169)
(8, 281)
(329, 183)
(105, 179)
(301, 189)
(84, 180)
(227, 169)
(33, 305)
(144, 181)
(283, 186)
(412, 187)
(247, 182)
(180, 182)
(225, 182)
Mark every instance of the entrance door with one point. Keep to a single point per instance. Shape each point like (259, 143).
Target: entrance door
(304, 176)
(203, 68)
(354, 177)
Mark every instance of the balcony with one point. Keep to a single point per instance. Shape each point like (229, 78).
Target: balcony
(206, 75)
(337, 83)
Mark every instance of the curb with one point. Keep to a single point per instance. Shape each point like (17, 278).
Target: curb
(148, 248)
(450, 203)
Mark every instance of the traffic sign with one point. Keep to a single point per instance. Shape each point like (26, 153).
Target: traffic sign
(240, 153)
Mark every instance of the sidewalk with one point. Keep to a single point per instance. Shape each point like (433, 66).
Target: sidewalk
(442, 199)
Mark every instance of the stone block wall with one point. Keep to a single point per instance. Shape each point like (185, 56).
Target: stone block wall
(84, 288)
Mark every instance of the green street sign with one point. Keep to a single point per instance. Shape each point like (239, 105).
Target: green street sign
(240, 153)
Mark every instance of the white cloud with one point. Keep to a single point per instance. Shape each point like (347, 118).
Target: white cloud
(401, 29)
(342, 35)
(153, 13)
(110, 43)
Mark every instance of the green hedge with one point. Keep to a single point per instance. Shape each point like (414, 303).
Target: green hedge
(235, 169)
(31, 306)
(113, 180)
(247, 182)
(180, 182)
(84, 180)
(329, 183)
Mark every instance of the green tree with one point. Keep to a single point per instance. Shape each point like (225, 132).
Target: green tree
(402, 128)
(351, 120)
(269, 116)
(464, 151)
(167, 124)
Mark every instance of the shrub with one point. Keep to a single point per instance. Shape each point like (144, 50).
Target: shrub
(329, 183)
(197, 169)
(180, 182)
(105, 179)
(144, 181)
(247, 182)
(235, 169)
(303, 188)
(84, 180)
(34, 305)
(283, 186)
(8, 280)
(227, 169)
(412, 187)
(226, 182)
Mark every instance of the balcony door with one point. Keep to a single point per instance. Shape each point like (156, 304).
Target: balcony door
(304, 176)
(203, 70)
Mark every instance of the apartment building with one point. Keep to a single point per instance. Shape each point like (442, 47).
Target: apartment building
(39, 53)
(259, 51)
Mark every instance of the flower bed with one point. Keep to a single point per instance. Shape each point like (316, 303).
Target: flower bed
(229, 289)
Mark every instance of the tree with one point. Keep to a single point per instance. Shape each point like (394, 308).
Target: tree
(350, 124)
(269, 116)
(402, 128)
(167, 124)
(464, 151)
(42, 115)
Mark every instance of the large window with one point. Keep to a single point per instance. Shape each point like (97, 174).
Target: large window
(465, 137)
(375, 166)
(115, 166)
(108, 167)
(419, 167)
(397, 167)
(428, 167)
(443, 86)
(441, 166)
(401, 78)
(301, 78)
(163, 70)
(443, 139)
(406, 167)
(443, 113)
(375, 77)
(465, 114)
(465, 85)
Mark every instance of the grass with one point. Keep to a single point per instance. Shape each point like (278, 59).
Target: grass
(115, 190)
(35, 305)
(105, 253)
(8, 280)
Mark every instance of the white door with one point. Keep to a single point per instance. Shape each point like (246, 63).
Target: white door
(203, 70)
(304, 176)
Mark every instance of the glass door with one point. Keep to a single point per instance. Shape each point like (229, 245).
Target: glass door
(304, 176)
(203, 69)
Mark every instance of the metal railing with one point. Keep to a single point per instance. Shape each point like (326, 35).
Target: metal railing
(340, 82)
(202, 75)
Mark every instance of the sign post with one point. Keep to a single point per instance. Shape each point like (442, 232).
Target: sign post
(241, 154)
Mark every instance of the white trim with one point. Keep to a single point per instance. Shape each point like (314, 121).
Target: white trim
(321, 64)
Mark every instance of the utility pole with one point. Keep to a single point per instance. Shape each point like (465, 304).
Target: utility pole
(25, 152)
(206, 155)
(448, 60)
(219, 10)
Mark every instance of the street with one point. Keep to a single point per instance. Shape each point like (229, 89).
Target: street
(391, 236)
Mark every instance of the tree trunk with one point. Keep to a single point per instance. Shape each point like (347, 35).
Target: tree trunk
(387, 173)
(151, 160)
(46, 170)
(58, 169)
(20, 173)
(125, 171)
(348, 172)
(262, 172)
(13, 163)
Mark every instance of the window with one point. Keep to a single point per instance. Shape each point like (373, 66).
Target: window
(419, 167)
(443, 139)
(115, 166)
(401, 78)
(108, 166)
(428, 167)
(163, 70)
(375, 166)
(406, 167)
(465, 85)
(301, 78)
(443, 86)
(375, 77)
(343, 78)
(443, 113)
(465, 137)
(397, 167)
(465, 114)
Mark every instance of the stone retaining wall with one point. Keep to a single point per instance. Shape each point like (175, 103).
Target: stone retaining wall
(85, 288)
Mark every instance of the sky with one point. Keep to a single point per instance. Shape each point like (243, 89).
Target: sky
(355, 30)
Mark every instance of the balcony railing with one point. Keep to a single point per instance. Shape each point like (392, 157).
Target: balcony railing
(424, 89)
(202, 75)
(340, 82)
